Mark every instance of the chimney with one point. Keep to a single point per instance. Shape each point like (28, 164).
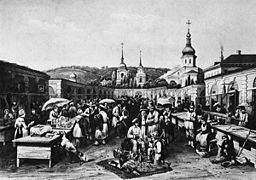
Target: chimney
(239, 52)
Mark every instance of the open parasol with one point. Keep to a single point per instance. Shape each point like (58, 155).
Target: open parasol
(165, 101)
(54, 102)
(103, 101)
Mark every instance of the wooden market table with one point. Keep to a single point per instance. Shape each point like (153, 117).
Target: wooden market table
(178, 119)
(238, 135)
(36, 148)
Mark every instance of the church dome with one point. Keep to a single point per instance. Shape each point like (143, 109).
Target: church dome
(122, 66)
(188, 50)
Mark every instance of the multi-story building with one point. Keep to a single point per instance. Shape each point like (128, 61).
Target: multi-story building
(232, 82)
(22, 85)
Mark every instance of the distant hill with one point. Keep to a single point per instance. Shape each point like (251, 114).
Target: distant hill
(87, 74)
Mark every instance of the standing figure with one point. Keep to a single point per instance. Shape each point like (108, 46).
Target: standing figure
(101, 132)
(78, 129)
(189, 126)
(14, 110)
(20, 126)
(88, 113)
(152, 120)
(116, 117)
(121, 125)
(142, 117)
(72, 110)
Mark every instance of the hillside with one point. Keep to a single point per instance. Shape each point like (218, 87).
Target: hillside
(87, 74)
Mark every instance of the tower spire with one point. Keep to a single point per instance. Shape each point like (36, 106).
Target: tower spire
(221, 53)
(122, 58)
(140, 59)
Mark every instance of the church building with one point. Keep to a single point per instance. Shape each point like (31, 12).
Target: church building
(122, 71)
(187, 73)
(140, 75)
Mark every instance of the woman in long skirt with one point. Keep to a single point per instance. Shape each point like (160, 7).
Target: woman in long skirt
(21, 129)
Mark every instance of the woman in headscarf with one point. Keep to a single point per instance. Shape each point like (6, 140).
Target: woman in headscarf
(20, 126)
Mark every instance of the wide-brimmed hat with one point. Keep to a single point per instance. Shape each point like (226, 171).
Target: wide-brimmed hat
(135, 121)
(21, 113)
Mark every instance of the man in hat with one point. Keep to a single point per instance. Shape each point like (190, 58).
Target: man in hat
(189, 126)
(116, 117)
(152, 120)
(121, 124)
(168, 126)
(102, 112)
(90, 127)
(78, 132)
(134, 134)
(142, 117)
(72, 110)
(155, 149)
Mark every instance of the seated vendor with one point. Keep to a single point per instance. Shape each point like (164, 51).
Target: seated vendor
(133, 134)
(226, 151)
(54, 114)
(219, 119)
(8, 117)
(155, 149)
(242, 116)
(203, 137)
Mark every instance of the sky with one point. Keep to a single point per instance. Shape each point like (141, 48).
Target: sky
(52, 33)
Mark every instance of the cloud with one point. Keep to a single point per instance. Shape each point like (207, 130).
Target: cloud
(55, 25)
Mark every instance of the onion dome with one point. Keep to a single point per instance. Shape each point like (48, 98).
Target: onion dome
(188, 49)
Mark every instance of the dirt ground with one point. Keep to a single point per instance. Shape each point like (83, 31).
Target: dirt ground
(185, 162)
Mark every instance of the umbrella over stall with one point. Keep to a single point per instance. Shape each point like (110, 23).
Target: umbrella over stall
(165, 101)
(103, 101)
(54, 102)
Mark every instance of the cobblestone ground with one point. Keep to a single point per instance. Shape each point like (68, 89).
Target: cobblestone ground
(185, 162)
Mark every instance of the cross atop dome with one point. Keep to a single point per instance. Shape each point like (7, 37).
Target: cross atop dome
(188, 23)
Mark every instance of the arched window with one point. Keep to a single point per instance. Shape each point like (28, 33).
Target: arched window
(254, 83)
(185, 61)
(189, 61)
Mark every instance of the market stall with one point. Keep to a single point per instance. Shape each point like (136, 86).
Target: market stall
(36, 147)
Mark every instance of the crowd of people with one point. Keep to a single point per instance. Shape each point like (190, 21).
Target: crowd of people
(146, 126)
